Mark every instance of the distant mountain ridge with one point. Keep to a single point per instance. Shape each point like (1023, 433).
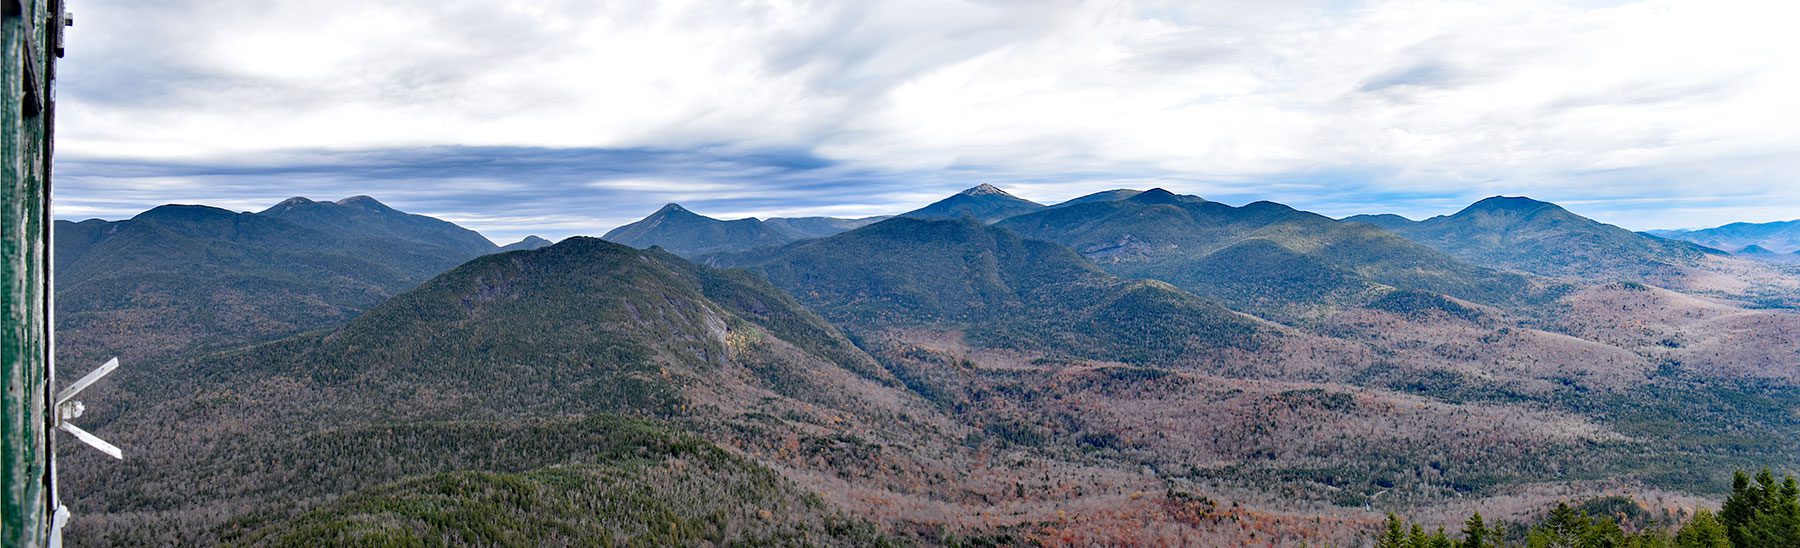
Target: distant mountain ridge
(1263, 257)
(529, 242)
(819, 227)
(1543, 238)
(1384, 220)
(1102, 196)
(690, 234)
(1779, 237)
(194, 277)
(362, 217)
(686, 233)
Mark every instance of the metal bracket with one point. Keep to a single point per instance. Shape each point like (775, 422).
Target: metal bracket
(68, 409)
(57, 520)
(57, 22)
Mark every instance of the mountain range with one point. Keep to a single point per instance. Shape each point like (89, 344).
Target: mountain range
(181, 278)
(1776, 238)
(1263, 257)
(1129, 367)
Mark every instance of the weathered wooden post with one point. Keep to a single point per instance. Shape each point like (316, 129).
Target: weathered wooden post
(30, 41)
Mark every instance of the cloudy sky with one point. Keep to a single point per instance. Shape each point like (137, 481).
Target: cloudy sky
(561, 117)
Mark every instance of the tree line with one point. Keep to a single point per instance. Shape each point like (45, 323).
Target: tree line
(1762, 512)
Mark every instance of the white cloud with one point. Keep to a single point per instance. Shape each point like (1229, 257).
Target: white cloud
(1558, 100)
(663, 186)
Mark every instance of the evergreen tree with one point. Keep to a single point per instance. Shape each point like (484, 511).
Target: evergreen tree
(1417, 538)
(1440, 540)
(1603, 533)
(1475, 533)
(1778, 522)
(1564, 528)
(1396, 534)
(1762, 513)
(1743, 504)
(1703, 531)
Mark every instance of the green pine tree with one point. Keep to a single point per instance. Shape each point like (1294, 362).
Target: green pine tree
(1703, 531)
(1440, 540)
(1778, 522)
(1564, 528)
(1417, 538)
(1396, 534)
(1475, 533)
(1762, 513)
(1743, 504)
(1603, 533)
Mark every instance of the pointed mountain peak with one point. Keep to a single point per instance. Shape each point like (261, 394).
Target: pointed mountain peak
(984, 189)
(295, 201)
(685, 233)
(986, 202)
(364, 202)
(1754, 249)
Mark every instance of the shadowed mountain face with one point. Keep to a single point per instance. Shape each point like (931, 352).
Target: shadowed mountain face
(1263, 257)
(1778, 237)
(688, 234)
(986, 203)
(1543, 238)
(187, 278)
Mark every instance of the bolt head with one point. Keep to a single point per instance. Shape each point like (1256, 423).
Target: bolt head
(71, 410)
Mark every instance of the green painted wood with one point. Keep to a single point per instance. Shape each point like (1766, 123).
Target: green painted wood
(25, 365)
